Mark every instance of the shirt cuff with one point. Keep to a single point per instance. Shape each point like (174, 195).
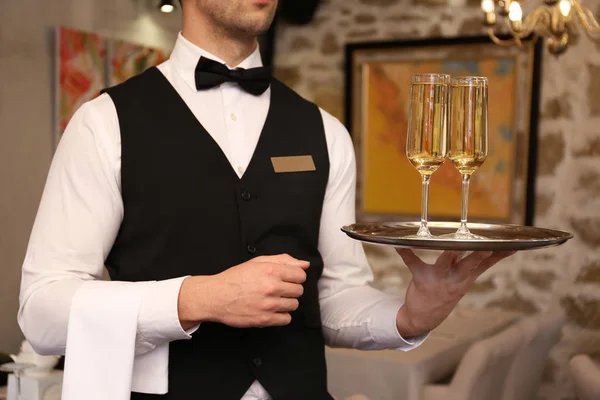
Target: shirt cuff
(158, 319)
(384, 330)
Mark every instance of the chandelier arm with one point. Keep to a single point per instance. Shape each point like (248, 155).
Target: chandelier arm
(587, 19)
(501, 42)
(540, 15)
(555, 23)
(510, 42)
(544, 31)
(585, 15)
(543, 28)
(516, 35)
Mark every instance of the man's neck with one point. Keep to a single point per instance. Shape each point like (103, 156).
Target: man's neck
(233, 50)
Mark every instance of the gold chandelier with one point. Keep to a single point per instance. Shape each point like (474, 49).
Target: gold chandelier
(555, 20)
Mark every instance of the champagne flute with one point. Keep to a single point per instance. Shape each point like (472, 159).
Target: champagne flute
(468, 136)
(426, 144)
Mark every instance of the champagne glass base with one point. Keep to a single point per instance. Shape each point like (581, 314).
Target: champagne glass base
(420, 236)
(462, 236)
(423, 233)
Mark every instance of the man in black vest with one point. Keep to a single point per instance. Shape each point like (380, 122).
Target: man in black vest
(227, 190)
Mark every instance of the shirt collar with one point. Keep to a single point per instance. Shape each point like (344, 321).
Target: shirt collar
(185, 56)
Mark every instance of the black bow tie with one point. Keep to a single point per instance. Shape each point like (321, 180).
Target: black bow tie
(210, 73)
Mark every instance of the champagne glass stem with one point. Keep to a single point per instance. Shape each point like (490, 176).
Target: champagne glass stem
(463, 230)
(423, 229)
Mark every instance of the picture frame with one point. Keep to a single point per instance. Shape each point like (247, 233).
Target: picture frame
(377, 87)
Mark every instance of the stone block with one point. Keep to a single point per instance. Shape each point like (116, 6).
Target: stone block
(590, 273)
(514, 303)
(582, 312)
(587, 230)
(593, 89)
(288, 75)
(559, 107)
(364, 19)
(543, 203)
(551, 151)
(330, 44)
(300, 43)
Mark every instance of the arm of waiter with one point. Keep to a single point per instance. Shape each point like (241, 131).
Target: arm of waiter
(353, 313)
(77, 221)
(356, 315)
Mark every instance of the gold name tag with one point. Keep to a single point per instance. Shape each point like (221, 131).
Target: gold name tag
(293, 164)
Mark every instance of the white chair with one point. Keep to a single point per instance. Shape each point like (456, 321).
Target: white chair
(483, 369)
(540, 333)
(586, 377)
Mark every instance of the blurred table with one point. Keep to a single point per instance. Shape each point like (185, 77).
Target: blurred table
(47, 386)
(399, 375)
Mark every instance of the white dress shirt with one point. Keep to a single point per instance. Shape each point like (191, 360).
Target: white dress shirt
(81, 211)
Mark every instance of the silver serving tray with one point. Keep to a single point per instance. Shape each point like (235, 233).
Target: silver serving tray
(498, 237)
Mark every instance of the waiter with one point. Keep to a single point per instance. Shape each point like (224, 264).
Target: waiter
(223, 192)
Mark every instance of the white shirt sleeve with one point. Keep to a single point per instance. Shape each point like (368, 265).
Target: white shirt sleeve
(353, 313)
(77, 222)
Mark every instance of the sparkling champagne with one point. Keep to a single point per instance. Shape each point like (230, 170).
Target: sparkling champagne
(426, 145)
(468, 127)
(468, 137)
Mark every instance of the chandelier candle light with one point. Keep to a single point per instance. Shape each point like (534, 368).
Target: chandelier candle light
(555, 20)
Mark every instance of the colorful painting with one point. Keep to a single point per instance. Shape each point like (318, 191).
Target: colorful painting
(378, 106)
(81, 72)
(87, 63)
(128, 59)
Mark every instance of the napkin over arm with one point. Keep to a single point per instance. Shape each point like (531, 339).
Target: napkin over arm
(101, 340)
(78, 219)
(107, 354)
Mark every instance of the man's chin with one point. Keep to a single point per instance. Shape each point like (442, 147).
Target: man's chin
(260, 27)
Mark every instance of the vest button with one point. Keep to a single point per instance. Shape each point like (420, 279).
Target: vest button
(246, 195)
(251, 249)
(257, 361)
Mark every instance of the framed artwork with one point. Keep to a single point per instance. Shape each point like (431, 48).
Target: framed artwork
(128, 59)
(86, 64)
(378, 76)
(81, 70)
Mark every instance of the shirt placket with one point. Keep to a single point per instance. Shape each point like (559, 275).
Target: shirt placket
(235, 127)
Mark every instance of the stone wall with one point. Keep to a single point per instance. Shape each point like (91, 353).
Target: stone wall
(310, 58)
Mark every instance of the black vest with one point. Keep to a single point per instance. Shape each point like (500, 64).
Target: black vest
(188, 213)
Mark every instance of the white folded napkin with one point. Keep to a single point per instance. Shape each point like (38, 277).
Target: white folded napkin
(100, 354)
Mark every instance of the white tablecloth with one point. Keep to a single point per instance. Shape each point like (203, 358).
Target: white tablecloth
(398, 375)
